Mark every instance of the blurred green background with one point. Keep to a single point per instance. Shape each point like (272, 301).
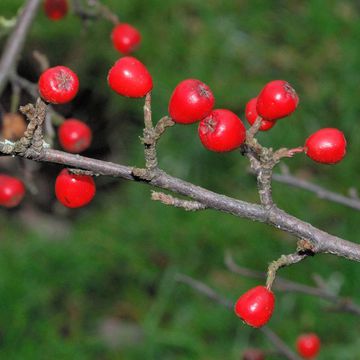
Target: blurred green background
(98, 283)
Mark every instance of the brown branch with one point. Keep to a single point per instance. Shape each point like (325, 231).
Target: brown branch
(322, 242)
(319, 191)
(16, 40)
(205, 290)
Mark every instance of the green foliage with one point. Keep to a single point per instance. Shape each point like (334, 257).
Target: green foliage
(122, 253)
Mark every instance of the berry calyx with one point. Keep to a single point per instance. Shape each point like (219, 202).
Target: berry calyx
(191, 101)
(129, 77)
(74, 191)
(308, 345)
(251, 116)
(58, 85)
(12, 191)
(74, 135)
(276, 100)
(125, 38)
(221, 131)
(256, 306)
(56, 9)
(327, 146)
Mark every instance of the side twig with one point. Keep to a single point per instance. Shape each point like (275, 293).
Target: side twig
(318, 190)
(16, 40)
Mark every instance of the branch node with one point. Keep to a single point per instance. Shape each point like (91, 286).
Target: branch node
(32, 143)
(305, 247)
(144, 174)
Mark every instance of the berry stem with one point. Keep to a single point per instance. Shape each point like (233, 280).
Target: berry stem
(147, 112)
(151, 136)
(284, 152)
(254, 128)
(284, 260)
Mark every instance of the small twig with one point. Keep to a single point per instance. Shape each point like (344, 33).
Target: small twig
(15, 97)
(151, 137)
(166, 199)
(31, 143)
(30, 87)
(287, 153)
(279, 344)
(319, 191)
(250, 134)
(42, 60)
(99, 10)
(147, 112)
(16, 40)
(162, 125)
(82, 172)
(284, 260)
(205, 290)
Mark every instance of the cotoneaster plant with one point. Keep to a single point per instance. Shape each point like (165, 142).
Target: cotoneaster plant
(219, 130)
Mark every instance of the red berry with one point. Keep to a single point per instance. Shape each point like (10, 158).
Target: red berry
(251, 115)
(129, 77)
(125, 38)
(56, 9)
(191, 101)
(74, 135)
(327, 146)
(74, 191)
(308, 345)
(221, 131)
(58, 85)
(253, 354)
(256, 306)
(12, 191)
(276, 100)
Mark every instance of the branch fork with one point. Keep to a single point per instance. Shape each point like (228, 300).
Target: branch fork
(32, 143)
